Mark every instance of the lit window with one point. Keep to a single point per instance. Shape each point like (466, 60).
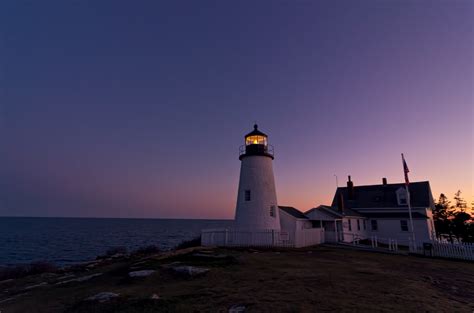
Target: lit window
(256, 140)
(358, 224)
(272, 211)
(247, 195)
(373, 224)
(404, 225)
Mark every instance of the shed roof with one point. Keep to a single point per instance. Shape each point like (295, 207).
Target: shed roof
(335, 212)
(293, 212)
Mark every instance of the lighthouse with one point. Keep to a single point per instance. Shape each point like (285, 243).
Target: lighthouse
(257, 207)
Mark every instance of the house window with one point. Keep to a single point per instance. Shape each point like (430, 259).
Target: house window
(247, 195)
(349, 224)
(358, 224)
(373, 224)
(365, 224)
(404, 225)
(402, 196)
(272, 211)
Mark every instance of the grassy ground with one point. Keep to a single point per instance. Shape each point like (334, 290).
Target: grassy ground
(309, 280)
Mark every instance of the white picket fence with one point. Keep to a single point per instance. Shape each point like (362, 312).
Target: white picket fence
(392, 244)
(262, 238)
(463, 251)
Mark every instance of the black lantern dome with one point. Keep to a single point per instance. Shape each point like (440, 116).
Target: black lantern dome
(256, 143)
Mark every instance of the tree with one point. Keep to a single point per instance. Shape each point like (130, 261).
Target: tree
(461, 204)
(441, 215)
(461, 225)
(453, 219)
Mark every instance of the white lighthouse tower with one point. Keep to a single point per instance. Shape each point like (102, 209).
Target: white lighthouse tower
(257, 207)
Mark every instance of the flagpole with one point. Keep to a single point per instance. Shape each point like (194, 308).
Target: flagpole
(410, 216)
(405, 170)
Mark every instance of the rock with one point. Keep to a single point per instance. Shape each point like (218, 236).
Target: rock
(155, 297)
(118, 255)
(66, 276)
(14, 297)
(79, 279)
(35, 286)
(143, 273)
(237, 308)
(49, 275)
(191, 271)
(84, 278)
(210, 256)
(7, 299)
(92, 264)
(103, 296)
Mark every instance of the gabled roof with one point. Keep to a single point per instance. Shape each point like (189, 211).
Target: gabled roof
(293, 212)
(384, 196)
(335, 212)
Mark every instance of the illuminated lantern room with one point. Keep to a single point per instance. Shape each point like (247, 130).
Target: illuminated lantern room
(256, 143)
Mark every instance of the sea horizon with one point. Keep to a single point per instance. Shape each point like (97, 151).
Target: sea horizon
(139, 218)
(71, 240)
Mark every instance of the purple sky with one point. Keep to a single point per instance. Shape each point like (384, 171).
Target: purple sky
(137, 109)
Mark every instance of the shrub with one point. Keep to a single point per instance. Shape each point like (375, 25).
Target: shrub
(112, 251)
(22, 270)
(116, 250)
(41, 267)
(147, 250)
(196, 242)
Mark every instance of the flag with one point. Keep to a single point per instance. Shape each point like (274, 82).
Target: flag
(405, 170)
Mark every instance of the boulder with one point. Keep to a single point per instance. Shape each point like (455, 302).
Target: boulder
(36, 286)
(103, 296)
(211, 256)
(237, 308)
(191, 271)
(142, 273)
(79, 279)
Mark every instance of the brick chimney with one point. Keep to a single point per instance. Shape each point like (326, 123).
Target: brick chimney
(384, 181)
(350, 189)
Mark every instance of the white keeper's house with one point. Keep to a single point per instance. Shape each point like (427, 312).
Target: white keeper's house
(360, 212)
(356, 213)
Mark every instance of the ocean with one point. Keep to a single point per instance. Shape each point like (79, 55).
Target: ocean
(66, 241)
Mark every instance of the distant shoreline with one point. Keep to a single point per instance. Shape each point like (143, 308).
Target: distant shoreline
(123, 218)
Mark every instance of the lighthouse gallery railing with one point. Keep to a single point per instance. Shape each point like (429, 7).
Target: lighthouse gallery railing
(265, 149)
